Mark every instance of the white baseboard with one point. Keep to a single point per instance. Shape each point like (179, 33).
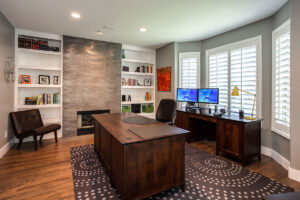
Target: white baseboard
(294, 174)
(276, 156)
(6, 148)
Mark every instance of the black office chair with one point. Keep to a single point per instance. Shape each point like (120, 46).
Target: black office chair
(166, 111)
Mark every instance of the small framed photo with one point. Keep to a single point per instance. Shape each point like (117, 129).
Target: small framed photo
(147, 82)
(55, 80)
(25, 79)
(44, 79)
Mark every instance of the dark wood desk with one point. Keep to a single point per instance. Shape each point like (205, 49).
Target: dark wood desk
(139, 167)
(236, 137)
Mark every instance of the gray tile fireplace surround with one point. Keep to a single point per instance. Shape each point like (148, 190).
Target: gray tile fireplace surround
(92, 78)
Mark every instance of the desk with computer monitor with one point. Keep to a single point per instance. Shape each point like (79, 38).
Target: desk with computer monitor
(234, 136)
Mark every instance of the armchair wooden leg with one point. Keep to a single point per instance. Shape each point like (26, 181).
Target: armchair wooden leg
(55, 134)
(41, 137)
(20, 143)
(35, 142)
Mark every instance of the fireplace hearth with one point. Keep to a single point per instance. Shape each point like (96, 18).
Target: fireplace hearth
(85, 121)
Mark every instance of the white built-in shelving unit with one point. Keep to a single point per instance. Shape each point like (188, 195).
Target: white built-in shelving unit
(136, 57)
(34, 63)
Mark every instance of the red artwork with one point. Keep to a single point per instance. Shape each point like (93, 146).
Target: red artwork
(164, 79)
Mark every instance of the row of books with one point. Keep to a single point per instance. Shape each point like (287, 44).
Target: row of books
(145, 69)
(28, 43)
(132, 82)
(43, 99)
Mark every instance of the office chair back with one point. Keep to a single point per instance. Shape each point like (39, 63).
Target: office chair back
(166, 110)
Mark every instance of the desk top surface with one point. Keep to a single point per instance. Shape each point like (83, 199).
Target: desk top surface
(228, 117)
(114, 124)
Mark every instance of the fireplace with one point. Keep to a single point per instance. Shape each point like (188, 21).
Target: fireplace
(85, 121)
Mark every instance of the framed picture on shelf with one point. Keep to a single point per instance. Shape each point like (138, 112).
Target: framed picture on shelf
(147, 82)
(55, 80)
(25, 79)
(44, 79)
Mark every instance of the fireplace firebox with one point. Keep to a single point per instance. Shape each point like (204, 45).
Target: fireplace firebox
(85, 121)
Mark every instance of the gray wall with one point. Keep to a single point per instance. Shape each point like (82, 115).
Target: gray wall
(6, 98)
(165, 57)
(92, 77)
(295, 91)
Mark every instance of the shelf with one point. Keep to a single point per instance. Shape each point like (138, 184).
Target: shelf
(40, 51)
(39, 106)
(136, 102)
(138, 73)
(39, 68)
(137, 87)
(137, 61)
(38, 86)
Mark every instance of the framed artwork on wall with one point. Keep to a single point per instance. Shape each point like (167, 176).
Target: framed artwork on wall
(164, 79)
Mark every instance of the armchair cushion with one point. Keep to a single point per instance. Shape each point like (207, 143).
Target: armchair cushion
(46, 129)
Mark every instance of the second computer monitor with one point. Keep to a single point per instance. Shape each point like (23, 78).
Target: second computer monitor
(208, 95)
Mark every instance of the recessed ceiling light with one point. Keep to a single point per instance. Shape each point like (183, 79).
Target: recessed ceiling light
(99, 33)
(75, 15)
(143, 29)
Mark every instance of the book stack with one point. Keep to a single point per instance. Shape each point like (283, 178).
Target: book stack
(145, 69)
(148, 96)
(132, 82)
(28, 43)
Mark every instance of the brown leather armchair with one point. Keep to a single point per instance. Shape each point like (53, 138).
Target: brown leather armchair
(29, 123)
(166, 111)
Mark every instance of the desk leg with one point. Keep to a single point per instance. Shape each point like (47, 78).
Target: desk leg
(182, 187)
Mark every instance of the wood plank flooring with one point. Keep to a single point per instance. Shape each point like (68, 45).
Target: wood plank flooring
(46, 174)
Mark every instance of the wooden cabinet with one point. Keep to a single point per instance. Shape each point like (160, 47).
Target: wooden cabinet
(229, 137)
(236, 137)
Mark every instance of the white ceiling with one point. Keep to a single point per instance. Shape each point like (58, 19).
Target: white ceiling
(166, 20)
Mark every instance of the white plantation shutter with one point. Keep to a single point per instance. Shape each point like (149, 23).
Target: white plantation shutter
(281, 80)
(243, 75)
(189, 70)
(218, 76)
(235, 65)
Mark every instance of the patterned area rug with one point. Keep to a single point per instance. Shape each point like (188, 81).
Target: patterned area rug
(207, 177)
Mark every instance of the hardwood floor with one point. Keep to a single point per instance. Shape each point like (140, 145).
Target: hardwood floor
(46, 174)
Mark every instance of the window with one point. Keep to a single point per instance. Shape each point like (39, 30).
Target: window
(281, 80)
(236, 64)
(189, 70)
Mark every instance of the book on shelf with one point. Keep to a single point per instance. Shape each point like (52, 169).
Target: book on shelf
(145, 69)
(43, 99)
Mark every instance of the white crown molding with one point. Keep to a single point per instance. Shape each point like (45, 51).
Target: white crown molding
(6, 147)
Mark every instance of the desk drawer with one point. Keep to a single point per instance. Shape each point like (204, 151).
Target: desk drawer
(204, 118)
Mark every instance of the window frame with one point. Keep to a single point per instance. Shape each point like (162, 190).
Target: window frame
(280, 129)
(257, 40)
(183, 55)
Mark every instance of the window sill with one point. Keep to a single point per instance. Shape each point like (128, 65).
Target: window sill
(281, 133)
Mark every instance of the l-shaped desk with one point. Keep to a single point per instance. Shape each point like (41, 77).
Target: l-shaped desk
(236, 137)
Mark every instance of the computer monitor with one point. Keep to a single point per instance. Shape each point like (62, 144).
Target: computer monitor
(208, 95)
(187, 95)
